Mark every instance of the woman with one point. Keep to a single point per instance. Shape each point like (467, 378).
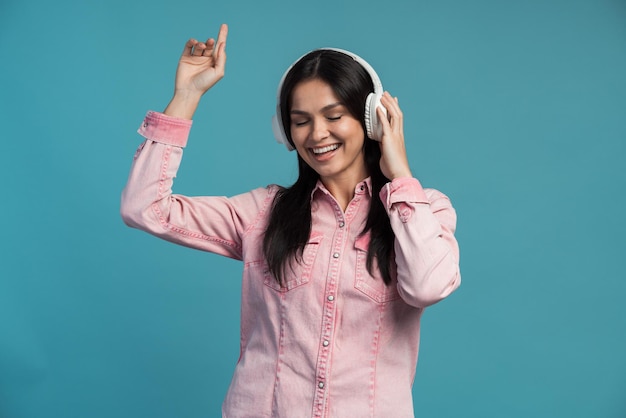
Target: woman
(339, 267)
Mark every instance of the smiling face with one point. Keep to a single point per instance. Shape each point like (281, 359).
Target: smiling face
(326, 135)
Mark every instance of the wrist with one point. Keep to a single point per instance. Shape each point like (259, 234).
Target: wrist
(183, 104)
(401, 174)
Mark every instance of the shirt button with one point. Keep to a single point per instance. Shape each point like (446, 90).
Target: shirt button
(336, 255)
(342, 224)
(321, 385)
(331, 298)
(325, 343)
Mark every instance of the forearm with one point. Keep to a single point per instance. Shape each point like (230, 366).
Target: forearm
(154, 166)
(427, 254)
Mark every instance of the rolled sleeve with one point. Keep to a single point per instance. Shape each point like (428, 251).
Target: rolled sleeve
(403, 189)
(164, 129)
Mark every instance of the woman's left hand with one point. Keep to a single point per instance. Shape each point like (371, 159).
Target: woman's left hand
(393, 162)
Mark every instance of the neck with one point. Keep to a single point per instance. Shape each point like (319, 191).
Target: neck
(342, 189)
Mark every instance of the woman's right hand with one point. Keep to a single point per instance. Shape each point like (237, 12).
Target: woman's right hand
(200, 67)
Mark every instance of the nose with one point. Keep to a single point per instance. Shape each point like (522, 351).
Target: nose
(319, 130)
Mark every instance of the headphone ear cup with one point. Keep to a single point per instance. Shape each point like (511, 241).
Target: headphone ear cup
(372, 124)
(279, 133)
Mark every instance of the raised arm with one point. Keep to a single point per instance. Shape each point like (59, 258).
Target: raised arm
(215, 224)
(200, 67)
(423, 220)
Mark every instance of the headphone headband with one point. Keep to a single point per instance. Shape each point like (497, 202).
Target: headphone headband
(374, 129)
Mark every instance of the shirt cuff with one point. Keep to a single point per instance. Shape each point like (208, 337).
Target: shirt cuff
(169, 130)
(402, 189)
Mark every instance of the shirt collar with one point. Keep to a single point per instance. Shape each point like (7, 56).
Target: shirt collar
(362, 187)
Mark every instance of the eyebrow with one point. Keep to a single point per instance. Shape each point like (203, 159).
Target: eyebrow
(324, 109)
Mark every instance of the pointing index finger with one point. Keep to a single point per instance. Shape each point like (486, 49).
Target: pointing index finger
(223, 34)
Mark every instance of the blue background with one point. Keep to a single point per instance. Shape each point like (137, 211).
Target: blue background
(515, 109)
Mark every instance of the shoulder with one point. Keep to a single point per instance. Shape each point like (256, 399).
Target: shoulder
(256, 203)
(258, 197)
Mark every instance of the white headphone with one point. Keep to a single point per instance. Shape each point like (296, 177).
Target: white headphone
(372, 125)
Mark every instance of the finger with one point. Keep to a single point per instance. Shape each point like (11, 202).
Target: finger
(220, 56)
(221, 43)
(393, 109)
(382, 117)
(391, 103)
(223, 34)
(210, 44)
(198, 49)
(392, 124)
(209, 47)
(189, 47)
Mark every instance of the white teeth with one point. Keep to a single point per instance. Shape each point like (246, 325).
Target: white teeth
(325, 149)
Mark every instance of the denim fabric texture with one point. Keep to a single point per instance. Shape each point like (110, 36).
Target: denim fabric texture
(334, 340)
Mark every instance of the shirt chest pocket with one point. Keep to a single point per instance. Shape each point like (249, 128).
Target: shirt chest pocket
(372, 285)
(298, 273)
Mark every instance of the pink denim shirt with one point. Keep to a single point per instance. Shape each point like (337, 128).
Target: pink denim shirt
(335, 341)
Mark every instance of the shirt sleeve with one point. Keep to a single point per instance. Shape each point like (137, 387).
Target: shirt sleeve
(210, 223)
(426, 251)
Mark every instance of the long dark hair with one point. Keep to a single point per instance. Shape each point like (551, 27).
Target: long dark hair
(289, 224)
